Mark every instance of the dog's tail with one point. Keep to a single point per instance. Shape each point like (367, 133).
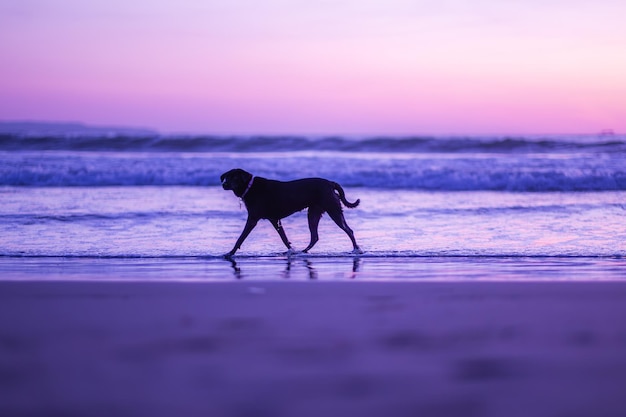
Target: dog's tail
(342, 196)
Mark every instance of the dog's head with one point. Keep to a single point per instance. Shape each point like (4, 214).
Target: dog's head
(236, 180)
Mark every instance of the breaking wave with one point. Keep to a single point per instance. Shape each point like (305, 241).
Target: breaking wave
(418, 144)
(464, 172)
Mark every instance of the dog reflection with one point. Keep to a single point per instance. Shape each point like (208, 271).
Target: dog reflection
(287, 272)
(236, 269)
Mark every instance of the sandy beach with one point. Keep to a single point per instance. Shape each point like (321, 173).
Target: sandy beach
(246, 348)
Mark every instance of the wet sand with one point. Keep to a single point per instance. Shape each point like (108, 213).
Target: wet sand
(283, 348)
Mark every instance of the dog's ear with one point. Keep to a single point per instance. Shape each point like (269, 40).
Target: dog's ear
(244, 175)
(228, 174)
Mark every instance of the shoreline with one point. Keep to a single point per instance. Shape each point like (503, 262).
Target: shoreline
(368, 348)
(316, 267)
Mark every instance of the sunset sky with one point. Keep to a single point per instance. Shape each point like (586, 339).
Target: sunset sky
(317, 66)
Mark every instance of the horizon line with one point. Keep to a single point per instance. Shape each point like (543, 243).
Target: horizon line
(175, 132)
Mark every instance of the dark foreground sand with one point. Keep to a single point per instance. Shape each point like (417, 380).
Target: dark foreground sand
(236, 349)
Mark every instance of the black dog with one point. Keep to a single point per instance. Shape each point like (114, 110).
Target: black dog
(275, 200)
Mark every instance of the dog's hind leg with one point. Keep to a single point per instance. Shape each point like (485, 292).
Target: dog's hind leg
(281, 232)
(314, 215)
(337, 215)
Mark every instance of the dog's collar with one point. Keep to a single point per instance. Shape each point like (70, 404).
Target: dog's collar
(247, 188)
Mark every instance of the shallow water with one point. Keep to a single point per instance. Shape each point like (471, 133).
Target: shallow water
(430, 207)
(206, 221)
(314, 268)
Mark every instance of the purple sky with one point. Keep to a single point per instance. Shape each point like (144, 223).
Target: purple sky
(295, 66)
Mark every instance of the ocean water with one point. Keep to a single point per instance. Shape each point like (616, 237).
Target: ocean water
(458, 200)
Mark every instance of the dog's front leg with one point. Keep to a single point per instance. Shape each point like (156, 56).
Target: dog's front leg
(250, 223)
(279, 228)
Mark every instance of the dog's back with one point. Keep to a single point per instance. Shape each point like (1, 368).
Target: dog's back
(279, 199)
